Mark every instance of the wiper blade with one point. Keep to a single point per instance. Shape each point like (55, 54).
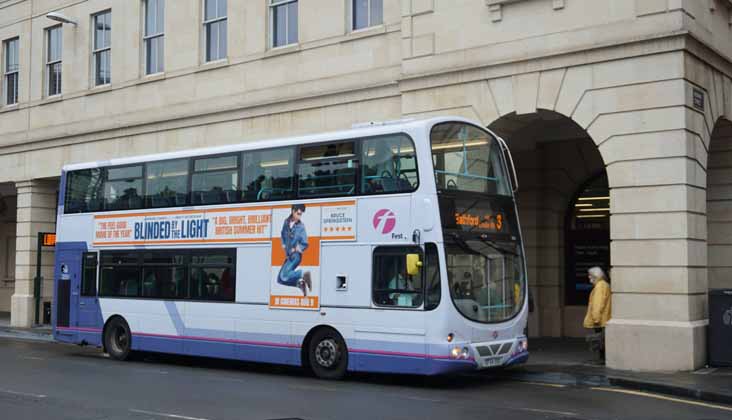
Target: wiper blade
(460, 242)
(497, 247)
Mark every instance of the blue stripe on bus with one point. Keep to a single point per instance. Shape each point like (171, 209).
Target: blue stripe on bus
(277, 353)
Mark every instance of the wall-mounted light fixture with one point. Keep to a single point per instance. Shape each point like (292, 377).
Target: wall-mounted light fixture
(58, 17)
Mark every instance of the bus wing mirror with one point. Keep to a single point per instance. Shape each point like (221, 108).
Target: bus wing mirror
(413, 264)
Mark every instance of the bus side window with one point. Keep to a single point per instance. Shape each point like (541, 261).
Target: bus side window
(433, 292)
(89, 274)
(215, 180)
(268, 175)
(327, 170)
(123, 188)
(166, 183)
(84, 190)
(389, 165)
(392, 286)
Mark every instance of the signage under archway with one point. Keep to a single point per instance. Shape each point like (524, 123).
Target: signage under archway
(587, 238)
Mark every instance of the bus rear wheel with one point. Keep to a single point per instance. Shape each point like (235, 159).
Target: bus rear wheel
(327, 354)
(118, 339)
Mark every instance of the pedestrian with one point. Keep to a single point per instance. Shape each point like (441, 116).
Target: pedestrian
(598, 309)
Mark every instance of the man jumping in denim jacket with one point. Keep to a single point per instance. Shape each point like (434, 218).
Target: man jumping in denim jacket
(294, 243)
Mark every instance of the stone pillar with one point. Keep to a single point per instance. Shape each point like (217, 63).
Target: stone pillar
(658, 250)
(36, 212)
(528, 200)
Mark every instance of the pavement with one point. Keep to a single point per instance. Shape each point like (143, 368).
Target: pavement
(40, 333)
(569, 362)
(41, 380)
(560, 362)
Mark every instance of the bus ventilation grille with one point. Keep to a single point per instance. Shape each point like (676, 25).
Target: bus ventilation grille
(497, 349)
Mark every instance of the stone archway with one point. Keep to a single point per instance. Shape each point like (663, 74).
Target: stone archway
(555, 159)
(719, 207)
(652, 133)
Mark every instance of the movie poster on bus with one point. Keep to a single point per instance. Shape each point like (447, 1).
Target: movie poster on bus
(295, 280)
(184, 227)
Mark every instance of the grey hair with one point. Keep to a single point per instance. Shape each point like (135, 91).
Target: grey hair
(597, 273)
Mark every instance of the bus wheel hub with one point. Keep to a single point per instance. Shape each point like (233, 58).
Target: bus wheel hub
(326, 353)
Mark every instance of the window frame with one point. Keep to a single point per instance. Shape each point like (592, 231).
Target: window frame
(369, 18)
(7, 73)
(50, 64)
(238, 169)
(295, 152)
(149, 38)
(98, 51)
(106, 179)
(274, 4)
(394, 250)
(83, 280)
(357, 169)
(403, 135)
(438, 269)
(205, 24)
(145, 173)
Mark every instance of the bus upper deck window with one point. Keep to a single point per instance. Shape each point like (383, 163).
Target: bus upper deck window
(389, 165)
(268, 175)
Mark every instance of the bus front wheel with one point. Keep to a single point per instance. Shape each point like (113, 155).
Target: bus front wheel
(118, 339)
(327, 354)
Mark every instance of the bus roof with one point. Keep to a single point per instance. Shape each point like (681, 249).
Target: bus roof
(359, 130)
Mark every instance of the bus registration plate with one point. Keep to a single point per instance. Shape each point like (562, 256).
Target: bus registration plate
(492, 361)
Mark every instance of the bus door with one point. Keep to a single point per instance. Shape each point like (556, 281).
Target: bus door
(67, 274)
(89, 314)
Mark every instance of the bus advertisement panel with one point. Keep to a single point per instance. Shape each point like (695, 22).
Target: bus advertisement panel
(295, 233)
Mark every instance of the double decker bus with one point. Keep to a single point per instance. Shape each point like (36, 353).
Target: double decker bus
(391, 247)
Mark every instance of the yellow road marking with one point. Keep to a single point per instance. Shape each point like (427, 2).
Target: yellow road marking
(663, 397)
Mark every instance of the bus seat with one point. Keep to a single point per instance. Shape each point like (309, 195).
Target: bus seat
(180, 199)
(231, 196)
(211, 197)
(159, 201)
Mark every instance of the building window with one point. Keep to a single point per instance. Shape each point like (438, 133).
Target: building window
(284, 22)
(10, 70)
(102, 51)
(214, 29)
(154, 37)
(367, 13)
(53, 60)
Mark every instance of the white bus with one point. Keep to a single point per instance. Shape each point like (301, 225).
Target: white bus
(391, 247)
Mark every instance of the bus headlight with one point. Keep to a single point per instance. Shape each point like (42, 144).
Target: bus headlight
(455, 353)
(523, 345)
(460, 353)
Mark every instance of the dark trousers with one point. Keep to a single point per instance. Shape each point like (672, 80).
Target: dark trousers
(289, 274)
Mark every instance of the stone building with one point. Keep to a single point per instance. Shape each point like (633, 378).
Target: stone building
(624, 102)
